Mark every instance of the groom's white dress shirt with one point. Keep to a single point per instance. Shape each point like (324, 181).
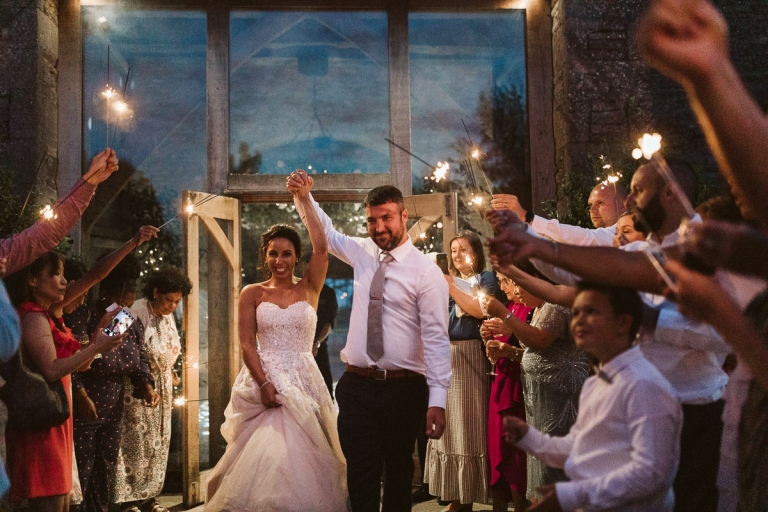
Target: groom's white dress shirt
(414, 313)
(623, 451)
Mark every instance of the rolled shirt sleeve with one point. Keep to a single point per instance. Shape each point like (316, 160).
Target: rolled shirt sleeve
(574, 235)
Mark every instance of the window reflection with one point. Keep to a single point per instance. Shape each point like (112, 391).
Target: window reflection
(308, 90)
(160, 134)
(468, 94)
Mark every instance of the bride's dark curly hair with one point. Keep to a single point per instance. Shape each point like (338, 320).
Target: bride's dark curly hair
(278, 231)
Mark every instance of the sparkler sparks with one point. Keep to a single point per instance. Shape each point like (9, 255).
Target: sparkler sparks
(476, 154)
(441, 171)
(648, 145)
(179, 401)
(48, 213)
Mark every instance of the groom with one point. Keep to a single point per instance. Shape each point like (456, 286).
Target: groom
(397, 347)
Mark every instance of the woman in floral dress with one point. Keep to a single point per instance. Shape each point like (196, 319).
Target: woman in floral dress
(146, 433)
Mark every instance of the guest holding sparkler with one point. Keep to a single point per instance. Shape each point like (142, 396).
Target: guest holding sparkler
(40, 461)
(689, 354)
(457, 464)
(508, 464)
(554, 370)
(146, 432)
(22, 249)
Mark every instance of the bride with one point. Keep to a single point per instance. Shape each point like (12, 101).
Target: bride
(283, 451)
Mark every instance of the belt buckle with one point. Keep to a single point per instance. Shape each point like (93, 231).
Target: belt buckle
(381, 371)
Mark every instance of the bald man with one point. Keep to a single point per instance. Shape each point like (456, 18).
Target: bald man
(606, 204)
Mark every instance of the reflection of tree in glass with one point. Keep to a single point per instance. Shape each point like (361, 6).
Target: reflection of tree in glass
(248, 164)
(145, 209)
(348, 218)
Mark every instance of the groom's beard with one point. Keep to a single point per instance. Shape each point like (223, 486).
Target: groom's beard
(387, 239)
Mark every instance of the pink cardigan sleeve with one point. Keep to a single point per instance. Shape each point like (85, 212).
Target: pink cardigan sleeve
(25, 247)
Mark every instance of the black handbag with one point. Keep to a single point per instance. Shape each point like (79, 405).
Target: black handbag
(33, 403)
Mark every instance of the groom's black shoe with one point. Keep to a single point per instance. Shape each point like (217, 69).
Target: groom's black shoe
(422, 495)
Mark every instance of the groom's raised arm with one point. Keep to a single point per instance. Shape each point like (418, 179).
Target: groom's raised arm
(340, 245)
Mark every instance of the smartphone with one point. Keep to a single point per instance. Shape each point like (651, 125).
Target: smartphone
(120, 323)
(442, 261)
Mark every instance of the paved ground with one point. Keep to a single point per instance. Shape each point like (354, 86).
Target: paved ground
(173, 501)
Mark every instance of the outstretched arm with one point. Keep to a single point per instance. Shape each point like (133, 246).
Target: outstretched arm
(103, 267)
(553, 293)
(600, 264)
(25, 247)
(299, 184)
(688, 41)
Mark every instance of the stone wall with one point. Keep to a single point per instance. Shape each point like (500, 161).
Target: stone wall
(29, 47)
(605, 96)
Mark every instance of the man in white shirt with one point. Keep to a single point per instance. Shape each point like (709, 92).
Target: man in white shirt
(381, 401)
(689, 354)
(623, 450)
(606, 204)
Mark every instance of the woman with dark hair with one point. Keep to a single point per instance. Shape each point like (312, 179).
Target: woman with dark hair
(40, 461)
(457, 463)
(554, 370)
(283, 451)
(146, 432)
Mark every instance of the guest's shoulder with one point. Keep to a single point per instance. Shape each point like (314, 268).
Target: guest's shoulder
(644, 375)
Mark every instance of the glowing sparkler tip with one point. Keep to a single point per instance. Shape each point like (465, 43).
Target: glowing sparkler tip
(649, 144)
(441, 171)
(607, 166)
(121, 106)
(48, 213)
(476, 153)
(613, 179)
(180, 401)
(108, 92)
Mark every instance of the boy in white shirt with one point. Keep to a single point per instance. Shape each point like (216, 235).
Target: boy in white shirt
(623, 451)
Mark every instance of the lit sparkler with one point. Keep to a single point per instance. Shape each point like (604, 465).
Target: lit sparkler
(48, 213)
(441, 171)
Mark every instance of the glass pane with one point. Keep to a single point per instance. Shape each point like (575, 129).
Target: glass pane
(155, 119)
(308, 90)
(468, 94)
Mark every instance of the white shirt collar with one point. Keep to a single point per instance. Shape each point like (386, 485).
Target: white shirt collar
(621, 361)
(401, 251)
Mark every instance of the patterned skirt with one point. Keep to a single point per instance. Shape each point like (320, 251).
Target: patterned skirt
(457, 466)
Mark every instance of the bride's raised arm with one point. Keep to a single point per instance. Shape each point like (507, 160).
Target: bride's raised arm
(300, 184)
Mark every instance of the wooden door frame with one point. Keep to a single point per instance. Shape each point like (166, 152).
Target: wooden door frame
(224, 208)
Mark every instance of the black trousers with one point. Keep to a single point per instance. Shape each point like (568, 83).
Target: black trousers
(696, 481)
(378, 422)
(324, 364)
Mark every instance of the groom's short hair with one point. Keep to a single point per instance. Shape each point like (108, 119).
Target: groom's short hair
(383, 195)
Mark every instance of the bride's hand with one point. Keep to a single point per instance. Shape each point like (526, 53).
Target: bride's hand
(299, 183)
(269, 395)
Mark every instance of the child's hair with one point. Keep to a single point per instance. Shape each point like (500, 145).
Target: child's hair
(624, 301)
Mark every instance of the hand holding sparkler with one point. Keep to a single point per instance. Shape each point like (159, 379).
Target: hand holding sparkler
(511, 243)
(508, 202)
(102, 167)
(145, 233)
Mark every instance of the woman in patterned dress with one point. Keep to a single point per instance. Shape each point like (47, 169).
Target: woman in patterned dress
(554, 371)
(146, 433)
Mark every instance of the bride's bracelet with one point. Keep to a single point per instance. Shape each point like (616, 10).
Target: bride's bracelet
(265, 383)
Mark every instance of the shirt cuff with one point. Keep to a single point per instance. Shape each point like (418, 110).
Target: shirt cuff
(438, 397)
(538, 224)
(570, 496)
(530, 441)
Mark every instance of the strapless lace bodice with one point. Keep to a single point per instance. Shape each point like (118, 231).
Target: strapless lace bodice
(285, 349)
(292, 328)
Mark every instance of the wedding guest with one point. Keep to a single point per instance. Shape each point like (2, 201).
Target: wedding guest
(10, 338)
(99, 393)
(23, 248)
(606, 203)
(40, 462)
(627, 231)
(508, 464)
(623, 450)
(554, 369)
(327, 308)
(457, 463)
(146, 432)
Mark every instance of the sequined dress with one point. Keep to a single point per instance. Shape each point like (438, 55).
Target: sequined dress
(552, 380)
(286, 458)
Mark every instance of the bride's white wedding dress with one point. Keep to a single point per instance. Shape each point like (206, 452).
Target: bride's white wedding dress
(286, 458)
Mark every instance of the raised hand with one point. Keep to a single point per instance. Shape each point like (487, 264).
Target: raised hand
(736, 247)
(102, 166)
(509, 247)
(299, 183)
(508, 202)
(684, 39)
(144, 234)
